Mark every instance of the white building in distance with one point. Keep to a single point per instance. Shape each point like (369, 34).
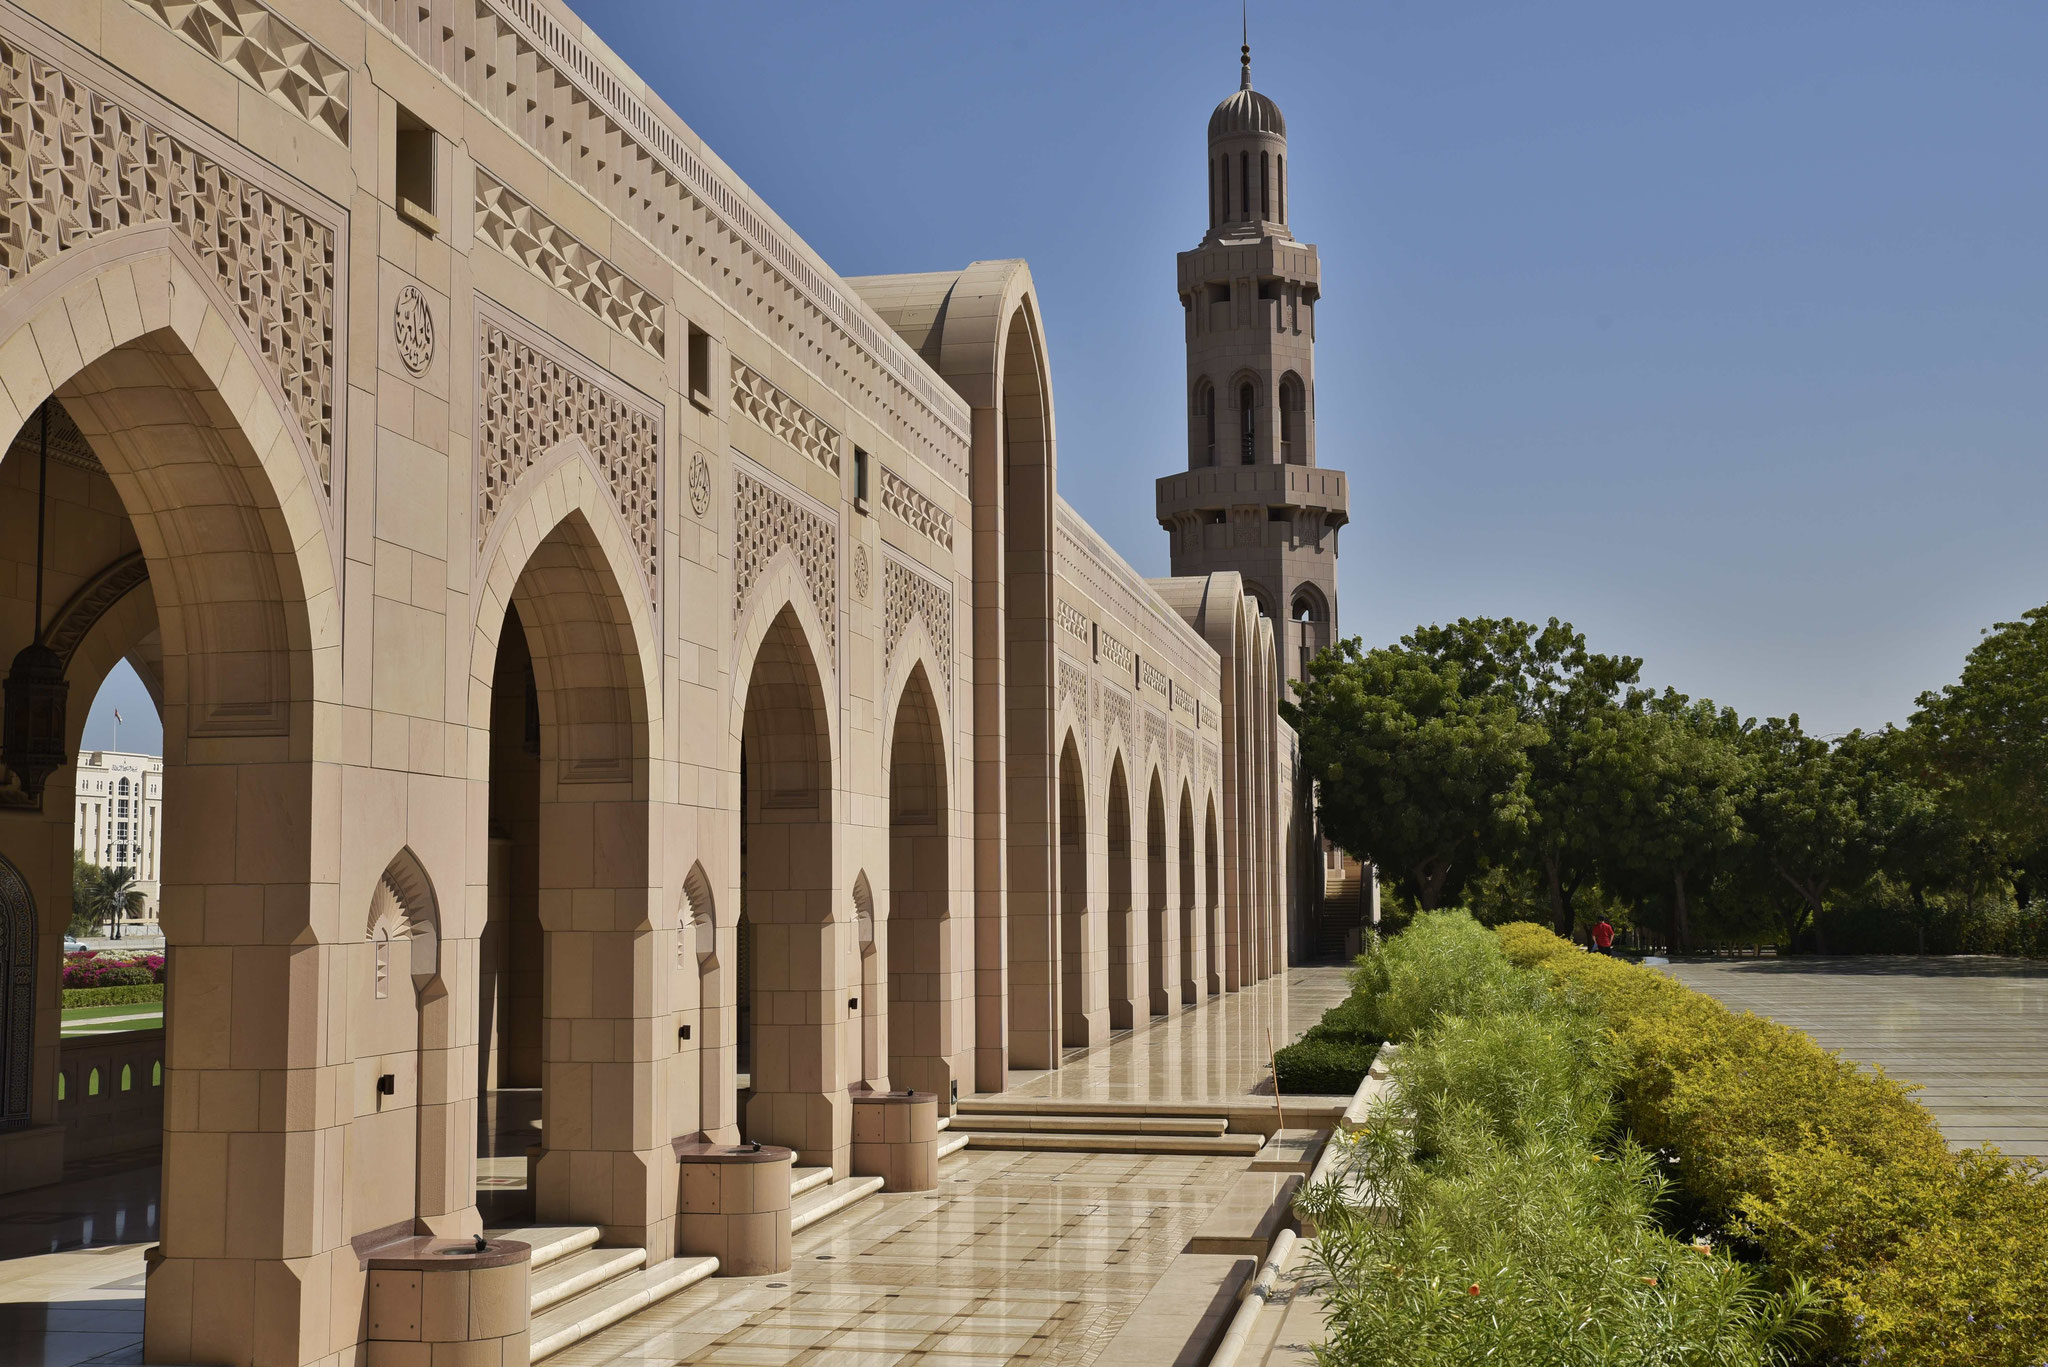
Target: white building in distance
(119, 815)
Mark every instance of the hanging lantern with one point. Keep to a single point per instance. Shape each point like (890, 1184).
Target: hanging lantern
(32, 732)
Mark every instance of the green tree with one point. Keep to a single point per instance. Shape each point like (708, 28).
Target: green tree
(1807, 816)
(1988, 734)
(1677, 773)
(1927, 842)
(85, 895)
(1416, 770)
(1573, 697)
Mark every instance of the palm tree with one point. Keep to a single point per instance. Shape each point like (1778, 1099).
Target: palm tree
(120, 898)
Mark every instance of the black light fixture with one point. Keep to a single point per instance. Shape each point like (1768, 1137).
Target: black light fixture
(33, 741)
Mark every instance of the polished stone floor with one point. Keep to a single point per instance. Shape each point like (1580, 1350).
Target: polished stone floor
(1018, 1258)
(1221, 1049)
(1972, 1031)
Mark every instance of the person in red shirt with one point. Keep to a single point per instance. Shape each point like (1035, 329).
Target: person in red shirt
(1603, 937)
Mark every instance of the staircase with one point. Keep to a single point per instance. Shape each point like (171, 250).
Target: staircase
(1343, 912)
(1074, 1126)
(577, 1287)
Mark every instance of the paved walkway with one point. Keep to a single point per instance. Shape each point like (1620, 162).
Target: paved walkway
(1017, 1257)
(1972, 1031)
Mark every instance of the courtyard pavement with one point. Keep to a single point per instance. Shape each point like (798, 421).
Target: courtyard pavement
(1971, 1030)
(1035, 1258)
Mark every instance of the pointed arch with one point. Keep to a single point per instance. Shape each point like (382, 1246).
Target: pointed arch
(1189, 989)
(1083, 972)
(1158, 929)
(698, 952)
(926, 984)
(1213, 904)
(1124, 990)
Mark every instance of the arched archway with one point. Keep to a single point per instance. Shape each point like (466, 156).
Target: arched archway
(1189, 990)
(867, 1044)
(923, 978)
(1083, 972)
(1214, 903)
(791, 1000)
(216, 485)
(572, 727)
(398, 1016)
(697, 952)
(1124, 990)
(1158, 929)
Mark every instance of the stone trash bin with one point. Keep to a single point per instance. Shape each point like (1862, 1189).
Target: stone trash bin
(443, 1303)
(896, 1138)
(735, 1205)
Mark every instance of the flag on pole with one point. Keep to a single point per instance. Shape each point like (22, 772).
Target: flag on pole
(117, 716)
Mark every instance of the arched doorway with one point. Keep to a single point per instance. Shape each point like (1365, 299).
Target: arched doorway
(1190, 987)
(1123, 986)
(398, 1015)
(571, 732)
(922, 1036)
(1214, 902)
(1158, 930)
(793, 1003)
(1083, 976)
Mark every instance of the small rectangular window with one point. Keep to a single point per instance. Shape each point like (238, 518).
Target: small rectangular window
(413, 156)
(860, 479)
(700, 367)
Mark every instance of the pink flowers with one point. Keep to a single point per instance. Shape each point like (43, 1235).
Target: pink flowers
(91, 968)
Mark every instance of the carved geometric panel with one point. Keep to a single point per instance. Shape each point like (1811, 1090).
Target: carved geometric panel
(268, 53)
(529, 402)
(1074, 684)
(766, 520)
(908, 595)
(1185, 755)
(1073, 621)
(1116, 716)
(74, 164)
(1155, 732)
(506, 221)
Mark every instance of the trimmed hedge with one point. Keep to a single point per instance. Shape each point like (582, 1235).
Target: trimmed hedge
(1828, 1173)
(1332, 1056)
(126, 995)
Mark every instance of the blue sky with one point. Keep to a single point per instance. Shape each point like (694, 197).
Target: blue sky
(1720, 331)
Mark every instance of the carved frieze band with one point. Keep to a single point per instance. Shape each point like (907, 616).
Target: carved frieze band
(766, 520)
(1074, 684)
(1074, 622)
(506, 221)
(906, 596)
(914, 508)
(112, 583)
(250, 40)
(74, 164)
(529, 401)
(755, 395)
(1116, 652)
(1154, 677)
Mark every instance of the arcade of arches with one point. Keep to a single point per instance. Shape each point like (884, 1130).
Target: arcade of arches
(623, 683)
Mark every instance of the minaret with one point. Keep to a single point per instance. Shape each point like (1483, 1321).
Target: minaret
(1252, 498)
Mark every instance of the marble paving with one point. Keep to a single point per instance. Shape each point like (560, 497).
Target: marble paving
(1971, 1030)
(1219, 1049)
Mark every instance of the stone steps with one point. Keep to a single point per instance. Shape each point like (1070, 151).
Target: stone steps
(802, 1180)
(828, 1199)
(1224, 1145)
(574, 1320)
(576, 1288)
(1095, 1124)
(952, 1144)
(565, 1278)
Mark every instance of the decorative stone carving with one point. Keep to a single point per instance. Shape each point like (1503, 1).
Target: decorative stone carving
(1211, 763)
(914, 508)
(1186, 758)
(1073, 683)
(908, 594)
(1116, 716)
(74, 164)
(1184, 700)
(1073, 621)
(69, 625)
(530, 401)
(506, 221)
(412, 324)
(860, 573)
(700, 484)
(1155, 732)
(766, 520)
(1116, 652)
(755, 395)
(1154, 677)
(250, 40)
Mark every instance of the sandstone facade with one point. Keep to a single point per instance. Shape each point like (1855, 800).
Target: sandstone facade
(601, 650)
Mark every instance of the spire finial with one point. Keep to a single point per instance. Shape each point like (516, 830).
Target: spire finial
(1244, 58)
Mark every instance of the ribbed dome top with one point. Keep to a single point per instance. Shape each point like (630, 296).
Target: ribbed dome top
(1246, 111)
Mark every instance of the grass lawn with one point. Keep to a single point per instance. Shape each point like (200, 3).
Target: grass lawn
(97, 1020)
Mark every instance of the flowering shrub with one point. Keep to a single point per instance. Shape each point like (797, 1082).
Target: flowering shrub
(1827, 1172)
(91, 968)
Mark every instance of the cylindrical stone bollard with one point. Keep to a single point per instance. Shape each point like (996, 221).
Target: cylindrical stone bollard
(896, 1137)
(735, 1205)
(428, 1294)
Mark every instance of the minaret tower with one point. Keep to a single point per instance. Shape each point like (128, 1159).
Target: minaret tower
(1252, 498)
